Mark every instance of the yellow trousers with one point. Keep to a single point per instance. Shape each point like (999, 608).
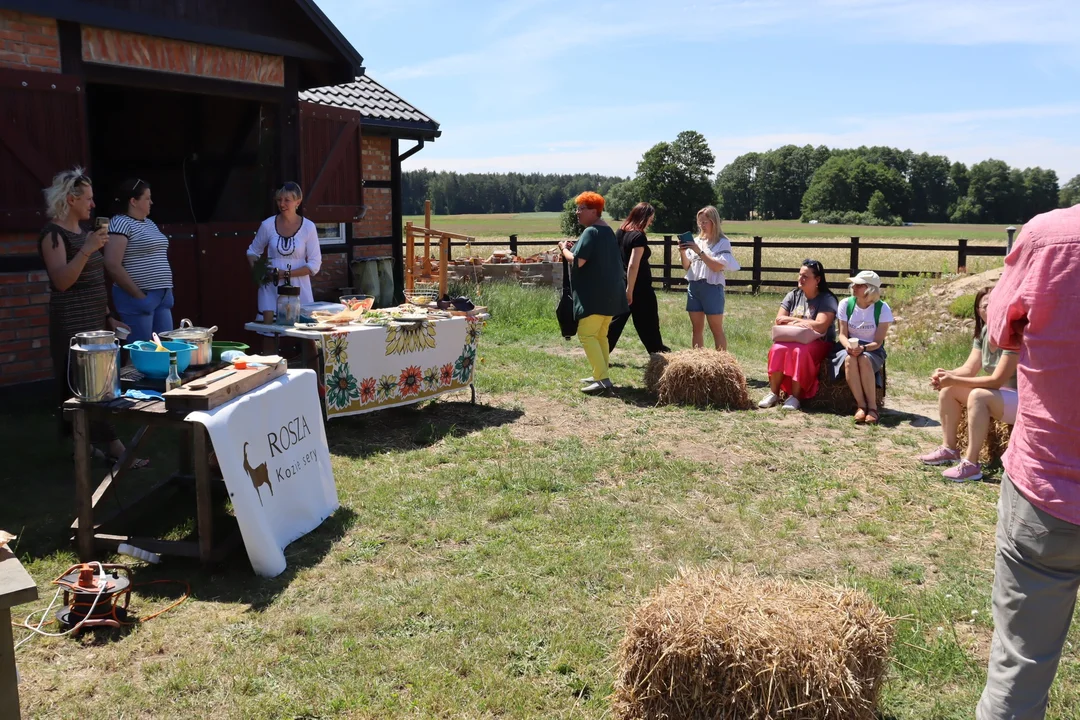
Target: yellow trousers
(592, 331)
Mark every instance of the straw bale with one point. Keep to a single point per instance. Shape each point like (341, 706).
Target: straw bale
(718, 646)
(835, 396)
(997, 439)
(705, 378)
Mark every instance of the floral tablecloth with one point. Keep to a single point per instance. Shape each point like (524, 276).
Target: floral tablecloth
(371, 367)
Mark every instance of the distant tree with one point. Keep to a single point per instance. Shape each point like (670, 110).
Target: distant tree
(736, 189)
(621, 198)
(994, 189)
(675, 178)
(568, 222)
(877, 206)
(846, 182)
(1041, 192)
(960, 177)
(933, 190)
(1070, 193)
(783, 177)
(966, 211)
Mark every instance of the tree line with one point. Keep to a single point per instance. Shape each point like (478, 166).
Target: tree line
(454, 193)
(884, 185)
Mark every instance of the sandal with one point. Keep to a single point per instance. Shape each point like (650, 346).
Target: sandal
(871, 416)
(860, 415)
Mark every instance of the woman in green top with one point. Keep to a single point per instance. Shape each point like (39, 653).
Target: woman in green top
(985, 396)
(599, 288)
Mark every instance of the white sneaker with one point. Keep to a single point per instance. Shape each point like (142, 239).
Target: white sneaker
(597, 387)
(792, 403)
(586, 381)
(769, 401)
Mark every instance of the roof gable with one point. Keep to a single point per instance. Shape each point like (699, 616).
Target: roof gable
(378, 106)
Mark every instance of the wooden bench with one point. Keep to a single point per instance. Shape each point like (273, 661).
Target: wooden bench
(16, 588)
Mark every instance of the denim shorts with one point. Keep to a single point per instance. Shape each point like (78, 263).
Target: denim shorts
(704, 297)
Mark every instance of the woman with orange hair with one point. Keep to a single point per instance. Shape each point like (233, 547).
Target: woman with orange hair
(598, 286)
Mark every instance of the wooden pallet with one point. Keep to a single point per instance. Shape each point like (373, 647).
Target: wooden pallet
(221, 386)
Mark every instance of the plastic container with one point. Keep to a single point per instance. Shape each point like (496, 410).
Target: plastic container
(139, 553)
(153, 364)
(219, 347)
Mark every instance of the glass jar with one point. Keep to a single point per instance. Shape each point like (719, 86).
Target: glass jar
(288, 305)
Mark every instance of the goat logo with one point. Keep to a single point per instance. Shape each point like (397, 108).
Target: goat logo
(259, 475)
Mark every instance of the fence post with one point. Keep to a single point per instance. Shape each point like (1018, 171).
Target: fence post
(961, 257)
(513, 244)
(449, 250)
(854, 262)
(667, 263)
(755, 279)
(1008, 246)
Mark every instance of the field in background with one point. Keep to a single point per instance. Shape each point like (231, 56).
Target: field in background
(545, 226)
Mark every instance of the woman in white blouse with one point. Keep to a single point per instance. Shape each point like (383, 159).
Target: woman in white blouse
(705, 259)
(292, 243)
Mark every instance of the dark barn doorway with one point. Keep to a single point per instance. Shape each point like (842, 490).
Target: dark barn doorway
(210, 161)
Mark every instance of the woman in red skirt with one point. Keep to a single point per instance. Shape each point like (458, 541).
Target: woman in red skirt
(793, 366)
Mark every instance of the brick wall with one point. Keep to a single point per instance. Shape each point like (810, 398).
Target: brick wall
(28, 42)
(376, 152)
(333, 275)
(24, 317)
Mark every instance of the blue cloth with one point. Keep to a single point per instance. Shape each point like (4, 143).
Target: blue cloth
(144, 395)
(703, 296)
(152, 314)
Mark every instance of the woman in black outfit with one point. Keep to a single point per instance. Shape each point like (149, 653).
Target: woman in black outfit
(639, 291)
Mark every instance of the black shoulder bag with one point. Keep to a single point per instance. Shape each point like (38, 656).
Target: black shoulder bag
(564, 310)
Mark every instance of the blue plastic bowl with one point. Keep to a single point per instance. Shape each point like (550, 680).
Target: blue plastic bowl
(154, 364)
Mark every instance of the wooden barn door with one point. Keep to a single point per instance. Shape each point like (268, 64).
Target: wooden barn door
(331, 164)
(42, 131)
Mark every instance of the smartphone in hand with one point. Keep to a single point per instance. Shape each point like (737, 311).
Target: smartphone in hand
(686, 239)
(101, 222)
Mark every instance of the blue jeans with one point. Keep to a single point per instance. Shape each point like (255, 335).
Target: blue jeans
(152, 314)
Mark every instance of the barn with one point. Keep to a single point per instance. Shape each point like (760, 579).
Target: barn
(215, 103)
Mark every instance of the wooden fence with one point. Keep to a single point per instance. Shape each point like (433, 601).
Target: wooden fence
(961, 248)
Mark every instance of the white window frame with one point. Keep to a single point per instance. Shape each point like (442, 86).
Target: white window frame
(340, 239)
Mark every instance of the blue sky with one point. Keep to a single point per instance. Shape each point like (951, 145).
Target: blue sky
(550, 86)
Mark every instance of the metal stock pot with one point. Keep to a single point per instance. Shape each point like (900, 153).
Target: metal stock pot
(200, 337)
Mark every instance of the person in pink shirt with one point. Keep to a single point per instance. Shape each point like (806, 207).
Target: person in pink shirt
(1033, 310)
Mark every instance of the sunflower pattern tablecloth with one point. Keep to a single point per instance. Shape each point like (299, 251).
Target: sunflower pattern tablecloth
(371, 367)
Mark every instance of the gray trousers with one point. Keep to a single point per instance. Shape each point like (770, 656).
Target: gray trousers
(1036, 576)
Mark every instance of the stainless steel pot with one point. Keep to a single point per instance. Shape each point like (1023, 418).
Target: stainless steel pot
(94, 364)
(202, 338)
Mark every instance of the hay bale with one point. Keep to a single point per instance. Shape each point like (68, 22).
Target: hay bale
(713, 645)
(997, 439)
(835, 396)
(705, 378)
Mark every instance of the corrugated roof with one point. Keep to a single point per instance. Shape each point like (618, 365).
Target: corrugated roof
(375, 103)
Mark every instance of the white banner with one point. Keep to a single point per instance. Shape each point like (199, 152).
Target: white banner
(271, 447)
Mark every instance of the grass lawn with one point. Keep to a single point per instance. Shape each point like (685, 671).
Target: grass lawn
(485, 558)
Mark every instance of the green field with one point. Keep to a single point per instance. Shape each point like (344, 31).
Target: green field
(546, 225)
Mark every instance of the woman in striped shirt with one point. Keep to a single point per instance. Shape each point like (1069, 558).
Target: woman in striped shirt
(137, 258)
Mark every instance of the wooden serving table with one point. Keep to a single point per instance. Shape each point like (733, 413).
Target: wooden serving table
(16, 588)
(193, 464)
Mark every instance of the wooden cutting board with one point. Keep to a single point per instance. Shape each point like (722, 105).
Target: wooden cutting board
(221, 387)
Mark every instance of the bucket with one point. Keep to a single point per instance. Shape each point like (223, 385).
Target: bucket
(94, 366)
